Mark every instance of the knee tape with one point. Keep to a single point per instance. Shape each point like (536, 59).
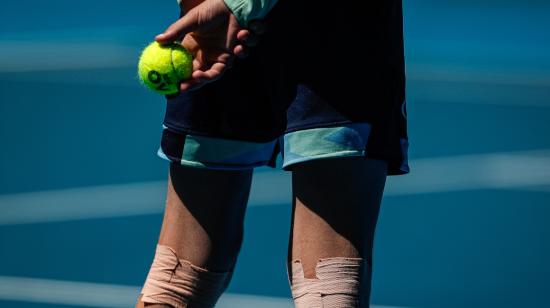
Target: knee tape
(179, 283)
(337, 284)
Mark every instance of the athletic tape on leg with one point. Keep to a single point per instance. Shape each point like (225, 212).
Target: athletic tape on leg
(179, 283)
(337, 285)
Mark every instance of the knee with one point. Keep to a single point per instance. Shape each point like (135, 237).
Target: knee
(341, 282)
(141, 304)
(175, 282)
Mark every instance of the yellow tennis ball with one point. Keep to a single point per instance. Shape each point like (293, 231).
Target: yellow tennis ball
(163, 67)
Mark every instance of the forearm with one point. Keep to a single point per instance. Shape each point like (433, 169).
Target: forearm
(186, 5)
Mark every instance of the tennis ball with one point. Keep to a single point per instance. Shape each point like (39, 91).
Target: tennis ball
(163, 67)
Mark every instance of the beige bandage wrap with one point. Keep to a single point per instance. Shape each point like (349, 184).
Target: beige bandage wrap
(337, 285)
(179, 283)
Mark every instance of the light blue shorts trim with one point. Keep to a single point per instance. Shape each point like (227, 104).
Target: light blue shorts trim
(296, 147)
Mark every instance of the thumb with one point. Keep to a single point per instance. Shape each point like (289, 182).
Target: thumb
(177, 31)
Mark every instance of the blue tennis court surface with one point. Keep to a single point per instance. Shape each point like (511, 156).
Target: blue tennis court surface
(82, 190)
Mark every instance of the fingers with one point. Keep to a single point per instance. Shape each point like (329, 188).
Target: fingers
(240, 51)
(209, 19)
(197, 65)
(251, 36)
(175, 32)
(225, 58)
(212, 74)
(248, 38)
(190, 85)
(199, 77)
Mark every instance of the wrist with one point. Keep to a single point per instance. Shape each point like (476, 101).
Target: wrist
(187, 5)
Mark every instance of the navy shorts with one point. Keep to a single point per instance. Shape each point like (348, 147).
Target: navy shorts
(317, 86)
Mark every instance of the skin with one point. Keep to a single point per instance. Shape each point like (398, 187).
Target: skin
(212, 34)
(335, 209)
(204, 216)
(335, 202)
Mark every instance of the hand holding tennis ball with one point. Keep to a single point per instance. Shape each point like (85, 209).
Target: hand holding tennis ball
(163, 67)
(208, 29)
(213, 37)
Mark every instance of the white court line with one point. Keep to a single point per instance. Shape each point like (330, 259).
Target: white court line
(56, 55)
(511, 170)
(16, 56)
(119, 200)
(508, 170)
(461, 73)
(110, 295)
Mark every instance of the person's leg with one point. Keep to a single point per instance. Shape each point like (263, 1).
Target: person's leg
(203, 220)
(335, 211)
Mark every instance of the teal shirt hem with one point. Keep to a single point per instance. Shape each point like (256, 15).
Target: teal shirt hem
(247, 10)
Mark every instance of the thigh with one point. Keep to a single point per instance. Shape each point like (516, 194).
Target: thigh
(344, 193)
(203, 220)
